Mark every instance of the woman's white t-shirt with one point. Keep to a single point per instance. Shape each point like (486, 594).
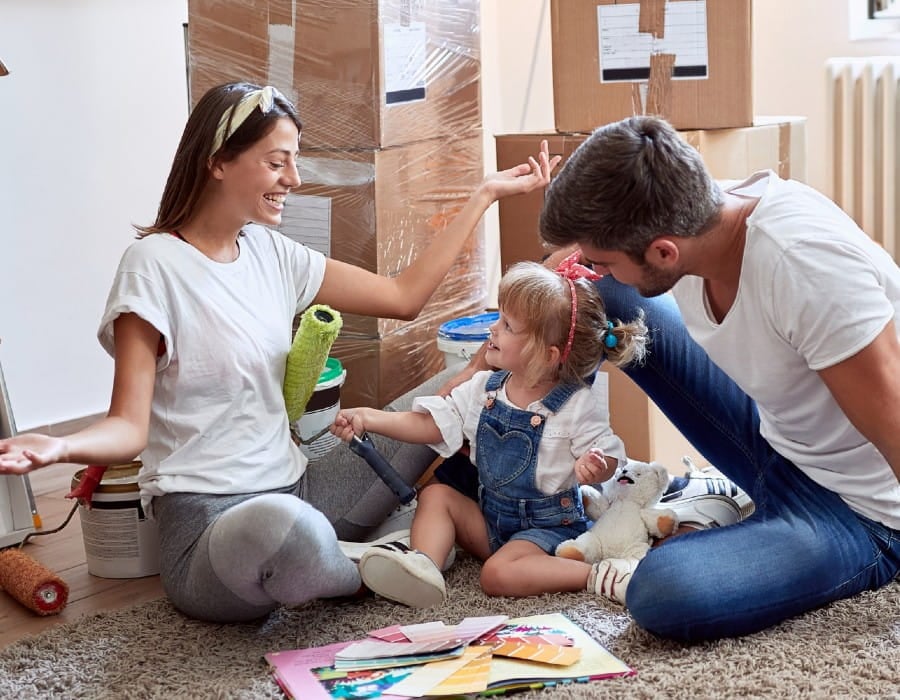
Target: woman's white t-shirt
(218, 422)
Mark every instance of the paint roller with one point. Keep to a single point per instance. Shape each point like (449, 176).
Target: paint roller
(319, 327)
(24, 579)
(30, 583)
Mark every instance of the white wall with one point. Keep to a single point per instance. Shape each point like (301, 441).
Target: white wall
(93, 108)
(791, 41)
(91, 113)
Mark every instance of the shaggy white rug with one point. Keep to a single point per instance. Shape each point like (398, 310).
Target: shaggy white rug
(849, 649)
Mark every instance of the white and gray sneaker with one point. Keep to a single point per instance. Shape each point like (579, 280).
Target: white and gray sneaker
(610, 578)
(404, 575)
(355, 550)
(706, 498)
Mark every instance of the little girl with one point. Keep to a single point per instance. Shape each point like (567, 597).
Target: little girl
(538, 427)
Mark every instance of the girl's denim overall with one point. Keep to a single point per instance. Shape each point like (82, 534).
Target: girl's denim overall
(513, 507)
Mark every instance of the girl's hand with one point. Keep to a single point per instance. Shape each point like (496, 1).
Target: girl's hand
(591, 468)
(29, 451)
(349, 422)
(535, 174)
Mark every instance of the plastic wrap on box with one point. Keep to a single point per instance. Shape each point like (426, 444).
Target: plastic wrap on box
(380, 209)
(379, 369)
(363, 73)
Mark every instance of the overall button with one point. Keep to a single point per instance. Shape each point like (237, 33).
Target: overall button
(536, 421)
(565, 502)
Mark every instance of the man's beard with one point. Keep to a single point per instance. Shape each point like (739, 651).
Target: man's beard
(655, 281)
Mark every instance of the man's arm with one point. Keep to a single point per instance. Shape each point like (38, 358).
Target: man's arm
(867, 388)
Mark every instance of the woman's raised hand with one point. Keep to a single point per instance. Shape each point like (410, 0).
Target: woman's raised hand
(526, 177)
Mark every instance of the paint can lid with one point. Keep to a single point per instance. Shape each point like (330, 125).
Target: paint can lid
(469, 328)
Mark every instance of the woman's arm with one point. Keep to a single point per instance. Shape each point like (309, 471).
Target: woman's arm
(355, 290)
(122, 433)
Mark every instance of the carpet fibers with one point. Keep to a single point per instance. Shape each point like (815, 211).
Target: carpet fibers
(850, 649)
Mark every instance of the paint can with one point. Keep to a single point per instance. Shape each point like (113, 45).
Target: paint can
(311, 430)
(461, 338)
(120, 541)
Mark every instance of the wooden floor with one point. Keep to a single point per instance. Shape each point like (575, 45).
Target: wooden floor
(63, 553)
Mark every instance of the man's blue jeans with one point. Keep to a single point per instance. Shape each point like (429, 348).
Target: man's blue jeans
(803, 547)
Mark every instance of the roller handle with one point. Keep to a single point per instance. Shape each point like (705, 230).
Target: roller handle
(90, 480)
(365, 448)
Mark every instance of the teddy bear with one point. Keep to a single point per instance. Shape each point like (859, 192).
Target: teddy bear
(626, 515)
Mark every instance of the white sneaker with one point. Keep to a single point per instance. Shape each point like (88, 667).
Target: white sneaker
(355, 550)
(610, 578)
(708, 499)
(398, 573)
(706, 511)
(400, 519)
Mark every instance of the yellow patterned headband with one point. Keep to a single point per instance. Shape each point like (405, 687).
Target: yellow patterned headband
(231, 120)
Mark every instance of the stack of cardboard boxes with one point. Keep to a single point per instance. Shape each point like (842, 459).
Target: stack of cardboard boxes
(686, 60)
(389, 94)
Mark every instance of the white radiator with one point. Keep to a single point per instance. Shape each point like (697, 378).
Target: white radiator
(863, 138)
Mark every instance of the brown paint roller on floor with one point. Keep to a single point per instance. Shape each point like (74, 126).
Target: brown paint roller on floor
(32, 584)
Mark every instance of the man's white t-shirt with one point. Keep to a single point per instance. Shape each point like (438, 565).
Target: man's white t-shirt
(218, 422)
(814, 291)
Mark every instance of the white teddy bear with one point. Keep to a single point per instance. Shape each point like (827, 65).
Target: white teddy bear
(626, 517)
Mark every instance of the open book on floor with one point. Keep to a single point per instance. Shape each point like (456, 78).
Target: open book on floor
(539, 650)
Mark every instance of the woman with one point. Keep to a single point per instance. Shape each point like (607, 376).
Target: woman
(199, 324)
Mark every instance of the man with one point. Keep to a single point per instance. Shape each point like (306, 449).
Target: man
(777, 356)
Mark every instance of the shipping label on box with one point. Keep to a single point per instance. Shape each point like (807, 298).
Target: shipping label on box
(686, 60)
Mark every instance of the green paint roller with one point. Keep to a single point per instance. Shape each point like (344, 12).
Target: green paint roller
(318, 329)
(319, 326)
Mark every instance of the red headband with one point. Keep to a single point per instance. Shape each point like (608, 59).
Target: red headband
(570, 270)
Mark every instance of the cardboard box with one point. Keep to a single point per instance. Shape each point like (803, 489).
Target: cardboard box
(364, 74)
(379, 369)
(380, 209)
(687, 60)
(776, 143)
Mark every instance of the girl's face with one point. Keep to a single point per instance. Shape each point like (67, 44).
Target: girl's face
(506, 345)
(257, 182)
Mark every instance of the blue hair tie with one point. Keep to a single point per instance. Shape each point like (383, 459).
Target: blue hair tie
(610, 340)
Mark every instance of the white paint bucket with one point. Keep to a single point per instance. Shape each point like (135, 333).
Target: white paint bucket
(461, 338)
(120, 541)
(311, 429)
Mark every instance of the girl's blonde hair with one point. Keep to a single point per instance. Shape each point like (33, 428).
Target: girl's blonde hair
(541, 299)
